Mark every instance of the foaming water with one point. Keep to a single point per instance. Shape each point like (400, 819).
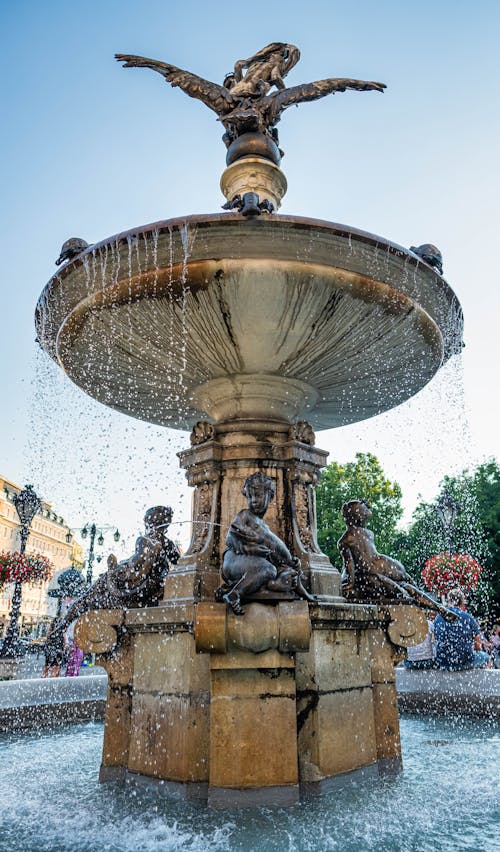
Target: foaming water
(446, 799)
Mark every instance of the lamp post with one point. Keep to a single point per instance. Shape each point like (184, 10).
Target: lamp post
(27, 504)
(447, 510)
(92, 530)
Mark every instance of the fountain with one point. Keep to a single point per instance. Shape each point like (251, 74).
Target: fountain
(252, 329)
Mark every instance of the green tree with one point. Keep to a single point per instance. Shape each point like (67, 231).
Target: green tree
(487, 491)
(363, 479)
(476, 530)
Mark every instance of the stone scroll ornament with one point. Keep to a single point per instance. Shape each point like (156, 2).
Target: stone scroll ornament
(134, 582)
(253, 97)
(202, 432)
(369, 575)
(255, 558)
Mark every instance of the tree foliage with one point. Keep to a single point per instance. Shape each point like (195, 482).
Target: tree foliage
(476, 531)
(361, 479)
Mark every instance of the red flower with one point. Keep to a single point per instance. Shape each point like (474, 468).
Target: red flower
(445, 571)
(27, 567)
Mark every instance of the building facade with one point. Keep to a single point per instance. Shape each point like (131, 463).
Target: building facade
(49, 535)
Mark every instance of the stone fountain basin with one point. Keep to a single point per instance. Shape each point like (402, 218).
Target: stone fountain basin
(221, 317)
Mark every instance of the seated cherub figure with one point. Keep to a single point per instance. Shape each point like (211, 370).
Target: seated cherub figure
(370, 575)
(134, 582)
(255, 558)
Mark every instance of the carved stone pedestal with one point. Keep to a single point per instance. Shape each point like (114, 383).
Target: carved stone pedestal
(250, 710)
(217, 465)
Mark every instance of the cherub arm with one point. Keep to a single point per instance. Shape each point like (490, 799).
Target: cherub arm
(173, 552)
(348, 563)
(246, 538)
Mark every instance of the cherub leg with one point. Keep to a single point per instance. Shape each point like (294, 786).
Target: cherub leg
(252, 580)
(290, 579)
(283, 582)
(392, 586)
(428, 603)
(222, 590)
(301, 591)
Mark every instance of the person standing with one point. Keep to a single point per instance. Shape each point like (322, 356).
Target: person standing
(76, 655)
(495, 643)
(458, 642)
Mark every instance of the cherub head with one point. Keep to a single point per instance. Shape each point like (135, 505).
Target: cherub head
(157, 520)
(259, 490)
(356, 513)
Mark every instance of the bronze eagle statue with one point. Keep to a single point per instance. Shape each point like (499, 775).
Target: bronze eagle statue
(245, 103)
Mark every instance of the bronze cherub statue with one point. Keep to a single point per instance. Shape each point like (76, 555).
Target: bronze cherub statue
(369, 575)
(255, 558)
(134, 582)
(244, 103)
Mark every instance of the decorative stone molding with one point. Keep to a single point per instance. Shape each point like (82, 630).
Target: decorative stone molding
(302, 431)
(285, 628)
(96, 632)
(407, 626)
(254, 396)
(204, 499)
(202, 431)
(254, 174)
(302, 481)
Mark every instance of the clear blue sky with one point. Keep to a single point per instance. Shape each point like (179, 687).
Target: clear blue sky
(89, 149)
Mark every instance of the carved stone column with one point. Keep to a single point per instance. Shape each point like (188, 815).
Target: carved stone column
(253, 723)
(405, 626)
(217, 465)
(102, 633)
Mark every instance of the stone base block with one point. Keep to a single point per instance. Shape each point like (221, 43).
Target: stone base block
(326, 785)
(191, 791)
(386, 717)
(253, 740)
(112, 773)
(256, 797)
(252, 710)
(169, 729)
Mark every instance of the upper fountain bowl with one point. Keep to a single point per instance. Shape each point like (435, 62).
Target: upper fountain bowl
(225, 317)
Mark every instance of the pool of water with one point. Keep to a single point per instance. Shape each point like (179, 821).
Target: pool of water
(447, 798)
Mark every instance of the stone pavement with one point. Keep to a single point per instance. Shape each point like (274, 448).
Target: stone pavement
(31, 665)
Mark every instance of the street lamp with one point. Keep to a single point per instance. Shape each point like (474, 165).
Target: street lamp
(27, 504)
(92, 530)
(447, 510)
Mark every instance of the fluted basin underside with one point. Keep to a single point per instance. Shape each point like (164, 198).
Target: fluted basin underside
(225, 317)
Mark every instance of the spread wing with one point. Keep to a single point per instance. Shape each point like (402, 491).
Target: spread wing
(276, 103)
(216, 97)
